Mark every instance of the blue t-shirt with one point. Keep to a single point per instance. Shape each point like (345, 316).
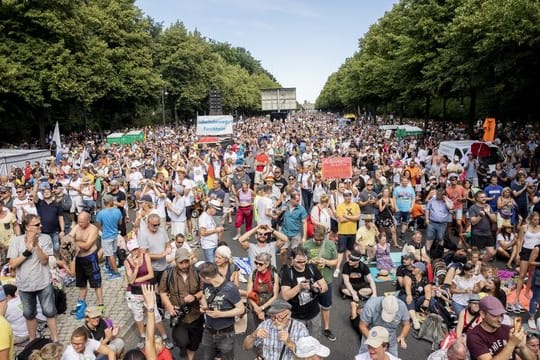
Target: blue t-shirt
(109, 219)
(493, 191)
(293, 221)
(404, 197)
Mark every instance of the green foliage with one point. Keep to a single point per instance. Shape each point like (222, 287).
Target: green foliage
(102, 65)
(486, 51)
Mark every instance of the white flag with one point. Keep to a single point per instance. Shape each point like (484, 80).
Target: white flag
(56, 137)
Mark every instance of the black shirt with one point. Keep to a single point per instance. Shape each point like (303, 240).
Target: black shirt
(304, 305)
(49, 214)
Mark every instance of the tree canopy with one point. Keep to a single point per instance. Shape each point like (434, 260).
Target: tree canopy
(433, 58)
(103, 64)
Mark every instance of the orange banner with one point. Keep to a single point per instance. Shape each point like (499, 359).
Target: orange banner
(489, 129)
(336, 168)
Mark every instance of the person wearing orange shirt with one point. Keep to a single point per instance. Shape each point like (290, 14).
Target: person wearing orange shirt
(458, 195)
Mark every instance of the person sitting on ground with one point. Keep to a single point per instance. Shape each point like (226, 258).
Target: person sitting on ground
(357, 281)
(456, 351)
(14, 314)
(417, 292)
(366, 238)
(103, 330)
(51, 351)
(83, 347)
(384, 261)
(468, 318)
(309, 348)
(405, 269)
(377, 345)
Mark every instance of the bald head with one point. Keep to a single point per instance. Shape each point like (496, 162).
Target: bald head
(457, 351)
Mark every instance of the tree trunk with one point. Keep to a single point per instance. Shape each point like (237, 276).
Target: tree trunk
(428, 106)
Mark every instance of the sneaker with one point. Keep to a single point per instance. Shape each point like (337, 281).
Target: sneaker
(531, 323)
(101, 308)
(140, 344)
(518, 309)
(242, 278)
(336, 273)
(113, 276)
(416, 324)
(509, 308)
(168, 343)
(328, 334)
(236, 237)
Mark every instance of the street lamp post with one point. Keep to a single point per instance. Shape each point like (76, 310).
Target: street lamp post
(163, 93)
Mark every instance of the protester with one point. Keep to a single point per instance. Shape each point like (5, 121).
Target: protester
(209, 230)
(83, 346)
(103, 330)
(377, 345)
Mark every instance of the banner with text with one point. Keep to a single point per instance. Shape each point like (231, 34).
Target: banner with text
(337, 168)
(214, 125)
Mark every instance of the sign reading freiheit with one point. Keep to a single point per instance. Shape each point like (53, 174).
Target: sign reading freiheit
(214, 125)
(337, 168)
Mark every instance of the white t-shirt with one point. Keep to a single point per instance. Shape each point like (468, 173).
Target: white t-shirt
(207, 222)
(263, 203)
(135, 179)
(365, 356)
(89, 349)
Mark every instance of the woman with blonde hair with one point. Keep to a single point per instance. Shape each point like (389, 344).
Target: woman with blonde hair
(51, 351)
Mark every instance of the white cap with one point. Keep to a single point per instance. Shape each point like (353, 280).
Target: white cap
(390, 308)
(309, 346)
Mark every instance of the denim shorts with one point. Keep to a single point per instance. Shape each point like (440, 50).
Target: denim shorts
(402, 217)
(46, 299)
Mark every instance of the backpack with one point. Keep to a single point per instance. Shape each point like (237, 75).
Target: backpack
(433, 330)
(60, 300)
(35, 344)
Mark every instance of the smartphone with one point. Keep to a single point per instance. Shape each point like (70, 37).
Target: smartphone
(517, 324)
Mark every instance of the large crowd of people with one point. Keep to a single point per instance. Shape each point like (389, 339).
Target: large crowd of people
(160, 213)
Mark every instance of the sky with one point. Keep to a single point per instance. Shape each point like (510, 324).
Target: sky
(300, 42)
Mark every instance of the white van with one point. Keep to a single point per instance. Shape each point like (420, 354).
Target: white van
(462, 147)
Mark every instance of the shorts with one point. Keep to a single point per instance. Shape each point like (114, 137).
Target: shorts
(325, 299)
(76, 204)
(135, 303)
(525, 254)
(195, 331)
(346, 242)
(109, 246)
(189, 211)
(46, 300)
(402, 217)
(87, 271)
(292, 241)
(458, 213)
(482, 241)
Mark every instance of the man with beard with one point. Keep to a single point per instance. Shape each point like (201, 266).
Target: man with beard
(276, 338)
(493, 340)
(180, 292)
(262, 233)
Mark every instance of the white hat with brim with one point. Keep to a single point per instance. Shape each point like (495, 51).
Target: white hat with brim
(309, 346)
(378, 335)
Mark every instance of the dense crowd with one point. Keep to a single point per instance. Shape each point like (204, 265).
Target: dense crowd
(155, 213)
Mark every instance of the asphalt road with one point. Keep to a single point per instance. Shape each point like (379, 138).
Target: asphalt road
(347, 344)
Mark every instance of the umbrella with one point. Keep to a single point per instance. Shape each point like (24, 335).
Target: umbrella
(480, 149)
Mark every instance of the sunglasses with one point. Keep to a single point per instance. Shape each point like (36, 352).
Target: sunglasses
(36, 225)
(154, 224)
(301, 261)
(259, 263)
(291, 178)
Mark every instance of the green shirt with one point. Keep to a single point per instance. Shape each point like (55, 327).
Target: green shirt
(326, 251)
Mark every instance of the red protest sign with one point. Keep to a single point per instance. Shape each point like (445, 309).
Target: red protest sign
(337, 168)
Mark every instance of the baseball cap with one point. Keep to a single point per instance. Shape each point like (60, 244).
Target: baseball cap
(347, 193)
(390, 308)
(181, 254)
(132, 245)
(420, 265)
(409, 256)
(93, 312)
(378, 335)
(309, 346)
(355, 256)
(453, 176)
(492, 305)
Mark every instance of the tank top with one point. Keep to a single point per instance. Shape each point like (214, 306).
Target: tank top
(531, 239)
(245, 197)
(142, 271)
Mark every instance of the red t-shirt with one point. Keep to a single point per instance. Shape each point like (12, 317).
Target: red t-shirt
(262, 158)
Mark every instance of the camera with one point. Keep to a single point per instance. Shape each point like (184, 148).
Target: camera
(180, 313)
(315, 291)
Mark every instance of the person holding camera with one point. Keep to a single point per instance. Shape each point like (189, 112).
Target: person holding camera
(180, 292)
(221, 303)
(301, 285)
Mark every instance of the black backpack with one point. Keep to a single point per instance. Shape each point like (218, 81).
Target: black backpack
(35, 344)
(60, 300)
